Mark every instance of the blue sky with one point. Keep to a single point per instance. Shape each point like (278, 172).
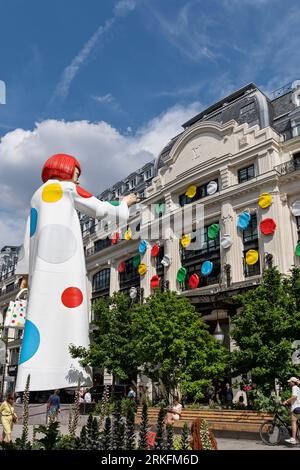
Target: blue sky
(111, 81)
(156, 55)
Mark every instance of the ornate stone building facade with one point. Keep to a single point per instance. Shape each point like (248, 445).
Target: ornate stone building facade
(242, 147)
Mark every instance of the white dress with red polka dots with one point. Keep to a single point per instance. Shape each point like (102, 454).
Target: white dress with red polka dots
(58, 306)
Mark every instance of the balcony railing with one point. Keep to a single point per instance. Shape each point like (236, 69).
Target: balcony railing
(288, 167)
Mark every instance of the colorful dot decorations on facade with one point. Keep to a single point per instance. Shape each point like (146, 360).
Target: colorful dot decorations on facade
(143, 247)
(213, 231)
(267, 226)
(296, 208)
(83, 192)
(115, 203)
(160, 208)
(136, 260)
(128, 234)
(142, 269)
(166, 261)
(252, 257)
(115, 238)
(186, 240)
(244, 220)
(154, 282)
(297, 250)
(33, 221)
(181, 274)
(191, 191)
(62, 241)
(212, 188)
(265, 200)
(226, 241)
(206, 268)
(72, 297)
(121, 267)
(31, 341)
(52, 192)
(194, 281)
(155, 251)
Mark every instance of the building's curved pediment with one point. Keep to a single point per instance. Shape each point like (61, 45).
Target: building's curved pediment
(202, 142)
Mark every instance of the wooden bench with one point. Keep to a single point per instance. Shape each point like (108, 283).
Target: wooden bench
(223, 420)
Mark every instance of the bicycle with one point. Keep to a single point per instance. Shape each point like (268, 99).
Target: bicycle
(273, 431)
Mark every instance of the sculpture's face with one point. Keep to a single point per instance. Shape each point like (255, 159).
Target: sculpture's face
(76, 175)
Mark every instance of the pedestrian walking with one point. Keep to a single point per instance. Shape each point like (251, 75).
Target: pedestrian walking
(228, 396)
(294, 402)
(8, 417)
(53, 406)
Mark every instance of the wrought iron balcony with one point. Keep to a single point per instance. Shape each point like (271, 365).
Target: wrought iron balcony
(288, 167)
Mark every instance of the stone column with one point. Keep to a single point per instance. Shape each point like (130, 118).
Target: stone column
(233, 255)
(114, 277)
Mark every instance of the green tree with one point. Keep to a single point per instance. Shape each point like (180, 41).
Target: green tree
(174, 345)
(112, 341)
(266, 328)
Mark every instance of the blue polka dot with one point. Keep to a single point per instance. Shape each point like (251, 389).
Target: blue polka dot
(31, 341)
(33, 221)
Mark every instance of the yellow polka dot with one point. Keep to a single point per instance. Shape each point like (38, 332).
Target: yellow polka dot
(52, 192)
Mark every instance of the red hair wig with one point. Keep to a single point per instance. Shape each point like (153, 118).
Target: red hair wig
(61, 166)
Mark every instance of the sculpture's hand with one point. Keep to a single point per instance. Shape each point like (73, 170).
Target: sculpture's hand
(130, 199)
(24, 282)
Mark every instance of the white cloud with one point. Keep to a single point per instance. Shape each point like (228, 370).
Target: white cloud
(106, 156)
(108, 98)
(187, 32)
(123, 7)
(62, 89)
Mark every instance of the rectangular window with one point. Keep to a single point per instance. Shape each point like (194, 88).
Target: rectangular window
(101, 280)
(250, 239)
(148, 174)
(101, 244)
(296, 160)
(132, 183)
(200, 193)
(10, 287)
(192, 260)
(159, 267)
(246, 174)
(14, 356)
(130, 276)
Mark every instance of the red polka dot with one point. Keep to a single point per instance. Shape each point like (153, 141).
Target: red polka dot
(155, 250)
(121, 267)
(115, 238)
(82, 192)
(72, 297)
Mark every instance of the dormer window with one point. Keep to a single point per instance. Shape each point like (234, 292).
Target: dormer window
(132, 183)
(148, 174)
(118, 192)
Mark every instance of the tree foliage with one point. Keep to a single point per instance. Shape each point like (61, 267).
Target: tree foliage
(111, 343)
(266, 327)
(175, 346)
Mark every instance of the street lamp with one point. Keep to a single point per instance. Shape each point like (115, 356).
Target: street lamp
(218, 333)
